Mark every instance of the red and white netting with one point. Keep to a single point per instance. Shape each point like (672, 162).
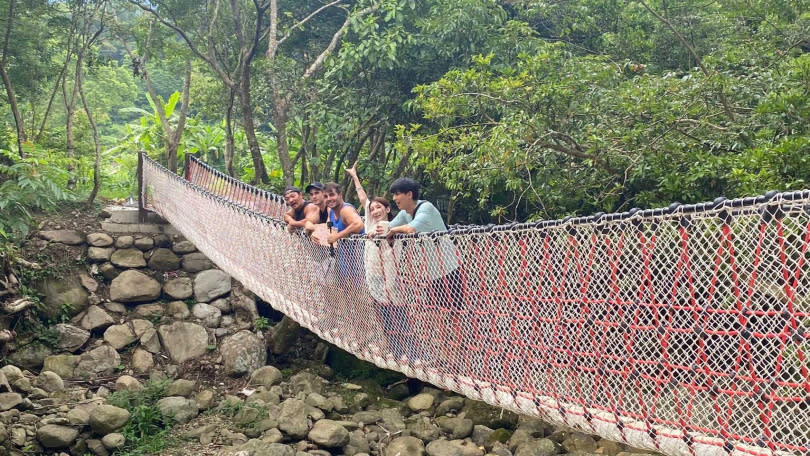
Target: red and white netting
(681, 330)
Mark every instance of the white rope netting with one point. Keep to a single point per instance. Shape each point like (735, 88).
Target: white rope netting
(681, 330)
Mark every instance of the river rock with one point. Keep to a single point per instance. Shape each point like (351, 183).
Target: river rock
(421, 402)
(183, 247)
(63, 365)
(329, 434)
(55, 436)
(95, 318)
(455, 427)
(134, 286)
(209, 316)
(69, 237)
(64, 297)
(537, 447)
(128, 258)
(9, 400)
(154, 310)
(293, 418)
(99, 361)
(30, 356)
(488, 415)
(113, 441)
(119, 336)
(453, 448)
(162, 241)
(401, 446)
(150, 341)
(256, 447)
(124, 242)
(183, 340)
(100, 240)
(99, 254)
(211, 284)
(108, 418)
(266, 376)
(180, 409)
(144, 243)
(109, 271)
(196, 262)
(181, 387)
(49, 381)
(164, 260)
(70, 338)
(178, 310)
(127, 383)
(179, 288)
(243, 353)
(142, 361)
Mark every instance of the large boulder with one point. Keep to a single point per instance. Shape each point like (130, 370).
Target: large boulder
(97, 362)
(196, 262)
(211, 284)
(293, 419)
(179, 288)
(134, 286)
(56, 436)
(105, 419)
(64, 297)
(243, 353)
(164, 260)
(69, 237)
(183, 340)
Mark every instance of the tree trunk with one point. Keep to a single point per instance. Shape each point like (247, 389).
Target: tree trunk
(12, 99)
(260, 171)
(229, 146)
(70, 111)
(96, 142)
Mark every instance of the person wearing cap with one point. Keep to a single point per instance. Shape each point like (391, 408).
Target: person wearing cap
(301, 211)
(316, 197)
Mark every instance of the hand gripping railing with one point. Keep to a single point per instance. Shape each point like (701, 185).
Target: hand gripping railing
(682, 330)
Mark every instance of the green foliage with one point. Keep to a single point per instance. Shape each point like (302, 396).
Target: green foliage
(261, 323)
(28, 186)
(147, 431)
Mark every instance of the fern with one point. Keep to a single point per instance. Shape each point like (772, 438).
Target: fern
(28, 186)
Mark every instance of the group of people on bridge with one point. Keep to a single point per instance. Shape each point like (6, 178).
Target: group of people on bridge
(374, 264)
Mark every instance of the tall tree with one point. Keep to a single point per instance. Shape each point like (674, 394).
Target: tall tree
(172, 134)
(12, 98)
(227, 40)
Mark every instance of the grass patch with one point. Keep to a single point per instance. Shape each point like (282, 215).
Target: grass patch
(147, 431)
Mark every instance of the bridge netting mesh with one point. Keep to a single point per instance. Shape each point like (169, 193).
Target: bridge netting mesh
(682, 330)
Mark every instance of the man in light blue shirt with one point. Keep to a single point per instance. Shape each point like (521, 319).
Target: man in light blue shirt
(437, 263)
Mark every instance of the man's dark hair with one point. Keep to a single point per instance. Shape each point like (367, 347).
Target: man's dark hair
(405, 185)
(332, 187)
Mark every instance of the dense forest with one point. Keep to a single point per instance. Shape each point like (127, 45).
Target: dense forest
(504, 109)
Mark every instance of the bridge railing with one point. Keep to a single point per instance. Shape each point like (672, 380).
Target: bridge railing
(682, 330)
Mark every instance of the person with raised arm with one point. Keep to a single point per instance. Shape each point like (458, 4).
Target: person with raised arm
(382, 276)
